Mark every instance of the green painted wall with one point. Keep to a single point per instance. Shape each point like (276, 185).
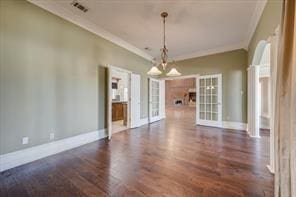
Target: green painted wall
(269, 21)
(51, 76)
(233, 67)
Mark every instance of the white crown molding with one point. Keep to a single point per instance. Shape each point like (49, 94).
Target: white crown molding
(17, 158)
(209, 52)
(260, 5)
(56, 8)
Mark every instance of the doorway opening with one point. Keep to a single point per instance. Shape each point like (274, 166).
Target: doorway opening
(264, 97)
(261, 93)
(124, 100)
(181, 99)
(120, 100)
(264, 94)
(195, 98)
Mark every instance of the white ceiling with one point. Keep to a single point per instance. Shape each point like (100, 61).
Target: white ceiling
(194, 28)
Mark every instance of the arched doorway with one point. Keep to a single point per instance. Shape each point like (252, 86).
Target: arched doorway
(258, 76)
(261, 91)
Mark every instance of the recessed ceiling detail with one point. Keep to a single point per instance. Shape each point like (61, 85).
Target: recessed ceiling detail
(196, 27)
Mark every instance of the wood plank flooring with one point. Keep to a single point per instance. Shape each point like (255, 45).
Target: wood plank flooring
(168, 158)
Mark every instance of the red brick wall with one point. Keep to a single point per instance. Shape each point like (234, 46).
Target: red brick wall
(176, 89)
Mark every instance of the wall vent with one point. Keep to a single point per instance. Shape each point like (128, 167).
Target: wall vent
(79, 6)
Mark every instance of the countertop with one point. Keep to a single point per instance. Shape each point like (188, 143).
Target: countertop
(119, 101)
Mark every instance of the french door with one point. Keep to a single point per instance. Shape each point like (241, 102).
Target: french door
(209, 106)
(156, 100)
(135, 100)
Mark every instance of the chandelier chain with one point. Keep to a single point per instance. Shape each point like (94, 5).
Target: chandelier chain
(164, 55)
(164, 32)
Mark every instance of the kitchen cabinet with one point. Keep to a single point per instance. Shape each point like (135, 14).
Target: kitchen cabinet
(119, 112)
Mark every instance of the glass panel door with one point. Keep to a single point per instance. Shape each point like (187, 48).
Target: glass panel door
(155, 98)
(154, 109)
(210, 96)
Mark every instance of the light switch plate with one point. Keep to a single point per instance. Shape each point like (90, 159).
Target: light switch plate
(25, 140)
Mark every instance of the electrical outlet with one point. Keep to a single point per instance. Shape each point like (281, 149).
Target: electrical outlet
(51, 136)
(25, 140)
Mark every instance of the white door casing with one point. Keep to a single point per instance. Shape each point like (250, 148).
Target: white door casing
(109, 102)
(135, 100)
(110, 72)
(156, 99)
(209, 97)
(273, 68)
(162, 98)
(197, 99)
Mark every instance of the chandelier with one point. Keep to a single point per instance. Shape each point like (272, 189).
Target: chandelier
(164, 57)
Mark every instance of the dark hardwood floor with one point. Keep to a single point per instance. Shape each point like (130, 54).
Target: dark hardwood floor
(168, 158)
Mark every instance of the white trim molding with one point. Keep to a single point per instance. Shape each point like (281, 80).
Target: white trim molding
(57, 8)
(260, 5)
(253, 103)
(271, 170)
(235, 125)
(264, 70)
(17, 158)
(253, 136)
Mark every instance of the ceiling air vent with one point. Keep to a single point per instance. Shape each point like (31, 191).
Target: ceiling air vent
(147, 48)
(79, 6)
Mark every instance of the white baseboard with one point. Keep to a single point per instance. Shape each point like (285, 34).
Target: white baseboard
(254, 136)
(249, 133)
(270, 169)
(235, 125)
(14, 159)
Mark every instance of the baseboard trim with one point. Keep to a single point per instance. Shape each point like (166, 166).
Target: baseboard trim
(17, 158)
(235, 125)
(270, 169)
(253, 136)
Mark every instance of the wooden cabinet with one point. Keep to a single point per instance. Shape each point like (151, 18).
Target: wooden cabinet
(119, 112)
(124, 113)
